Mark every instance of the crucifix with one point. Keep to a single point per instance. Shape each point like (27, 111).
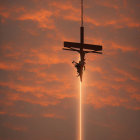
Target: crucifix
(81, 48)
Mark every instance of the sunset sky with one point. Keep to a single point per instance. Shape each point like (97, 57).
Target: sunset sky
(39, 90)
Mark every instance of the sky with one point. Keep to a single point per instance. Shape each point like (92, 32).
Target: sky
(39, 90)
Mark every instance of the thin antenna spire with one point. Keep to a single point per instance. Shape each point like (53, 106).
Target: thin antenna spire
(82, 23)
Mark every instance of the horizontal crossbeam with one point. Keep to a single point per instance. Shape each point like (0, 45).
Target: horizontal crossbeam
(71, 49)
(84, 46)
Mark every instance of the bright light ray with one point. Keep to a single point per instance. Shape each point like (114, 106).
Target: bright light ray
(80, 114)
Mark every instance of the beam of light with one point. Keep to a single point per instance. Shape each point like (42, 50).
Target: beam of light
(80, 113)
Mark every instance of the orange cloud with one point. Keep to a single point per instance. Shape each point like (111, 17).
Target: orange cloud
(99, 101)
(2, 113)
(42, 17)
(109, 4)
(43, 59)
(21, 115)
(136, 96)
(41, 94)
(52, 115)
(15, 127)
(120, 22)
(108, 90)
(128, 21)
(65, 6)
(6, 12)
(10, 66)
(127, 74)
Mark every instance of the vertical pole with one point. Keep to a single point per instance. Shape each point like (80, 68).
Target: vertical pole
(81, 30)
(82, 26)
(82, 35)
